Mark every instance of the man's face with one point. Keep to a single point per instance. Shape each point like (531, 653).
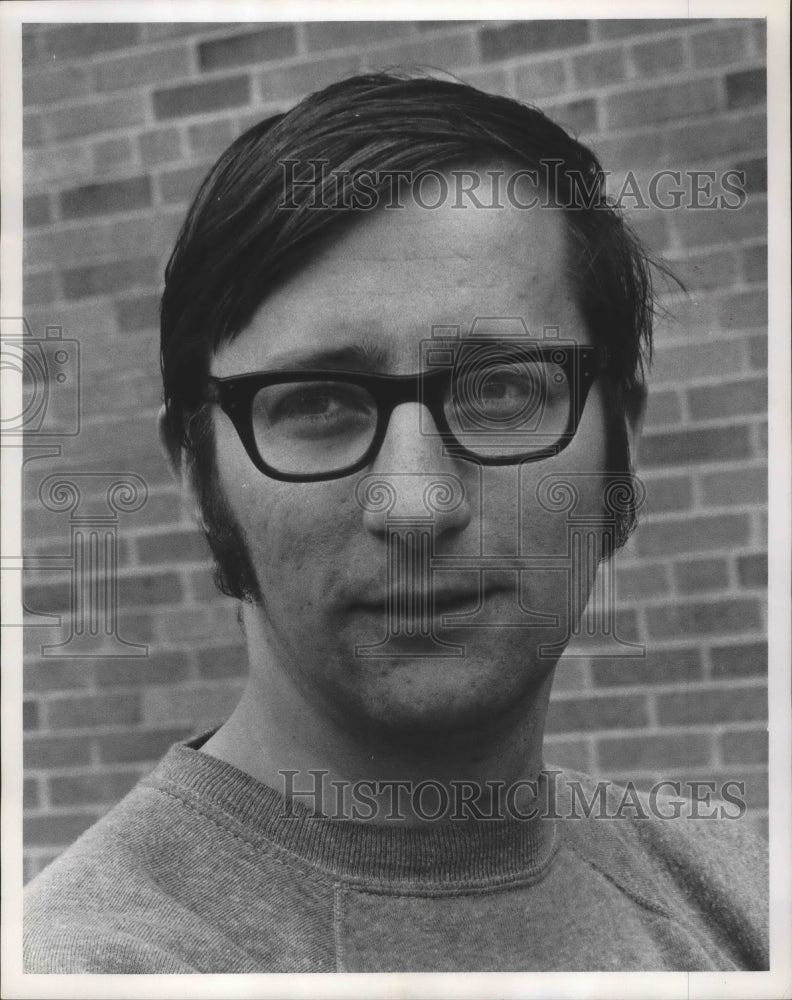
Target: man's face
(320, 550)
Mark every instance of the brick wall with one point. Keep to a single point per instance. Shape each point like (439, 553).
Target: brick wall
(122, 121)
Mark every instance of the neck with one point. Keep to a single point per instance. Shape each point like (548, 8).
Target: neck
(281, 737)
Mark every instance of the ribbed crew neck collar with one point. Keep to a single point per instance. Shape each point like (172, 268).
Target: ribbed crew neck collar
(457, 852)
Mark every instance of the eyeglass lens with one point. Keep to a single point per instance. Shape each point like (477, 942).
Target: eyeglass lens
(503, 409)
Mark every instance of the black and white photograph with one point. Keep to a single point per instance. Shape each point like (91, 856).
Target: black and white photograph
(396, 537)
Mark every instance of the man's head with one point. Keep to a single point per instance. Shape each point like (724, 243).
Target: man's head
(286, 257)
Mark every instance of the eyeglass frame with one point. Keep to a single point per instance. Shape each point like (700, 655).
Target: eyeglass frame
(235, 394)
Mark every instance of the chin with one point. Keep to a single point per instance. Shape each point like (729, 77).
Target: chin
(428, 698)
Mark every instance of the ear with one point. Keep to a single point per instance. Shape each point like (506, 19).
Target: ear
(634, 412)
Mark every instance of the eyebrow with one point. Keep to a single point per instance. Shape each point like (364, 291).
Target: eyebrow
(366, 355)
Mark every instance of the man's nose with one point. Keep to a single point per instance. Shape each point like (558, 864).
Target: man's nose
(412, 480)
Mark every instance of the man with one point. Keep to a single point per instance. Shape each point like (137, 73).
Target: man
(397, 321)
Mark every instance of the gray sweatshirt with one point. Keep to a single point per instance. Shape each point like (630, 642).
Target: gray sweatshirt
(203, 869)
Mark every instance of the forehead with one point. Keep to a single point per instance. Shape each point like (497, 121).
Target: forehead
(389, 276)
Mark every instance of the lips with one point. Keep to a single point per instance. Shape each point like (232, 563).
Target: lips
(441, 600)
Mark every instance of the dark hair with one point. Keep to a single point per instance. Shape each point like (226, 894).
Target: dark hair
(238, 240)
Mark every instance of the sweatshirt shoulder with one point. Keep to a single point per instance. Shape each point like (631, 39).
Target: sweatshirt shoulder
(98, 908)
(711, 873)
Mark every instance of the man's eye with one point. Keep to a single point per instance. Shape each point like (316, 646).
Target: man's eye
(318, 409)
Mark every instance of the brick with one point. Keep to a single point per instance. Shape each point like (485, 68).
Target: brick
(592, 714)
(294, 81)
(183, 546)
(201, 707)
(201, 585)
(152, 234)
(210, 138)
(178, 186)
(139, 313)
(660, 104)
(728, 399)
(106, 198)
(38, 289)
(30, 715)
(712, 705)
(635, 583)
(31, 793)
(131, 436)
(89, 711)
(157, 31)
(32, 130)
(735, 487)
(163, 668)
(54, 165)
(756, 791)
(703, 618)
(130, 392)
(706, 444)
(760, 36)
(757, 352)
(682, 363)
(322, 35)
(669, 493)
(662, 408)
(91, 788)
(692, 575)
(56, 830)
(111, 152)
(51, 86)
(128, 71)
(746, 88)
(752, 570)
(742, 310)
(55, 751)
(56, 675)
(142, 745)
(531, 36)
(755, 171)
(457, 50)
(651, 752)
(105, 279)
(575, 116)
(540, 79)
(276, 42)
(31, 50)
(150, 589)
(566, 753)
(196, 98)
(719, 46)
(659, 57)
(693, 534)
(690, 143)
(96, 116)
(627, 27)
(69, 41)
(754, 264)
(728, 226)
(600, 66)
(160, 145)
(659, 666)
(707, 269)
(744, 747)
(219, 662)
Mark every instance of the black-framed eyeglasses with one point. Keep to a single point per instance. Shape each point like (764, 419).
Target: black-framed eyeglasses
(491, 402)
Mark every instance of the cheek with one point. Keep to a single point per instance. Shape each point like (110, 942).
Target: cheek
(295, 532)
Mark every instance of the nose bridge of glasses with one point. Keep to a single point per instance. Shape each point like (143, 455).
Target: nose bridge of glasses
(419, 398)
